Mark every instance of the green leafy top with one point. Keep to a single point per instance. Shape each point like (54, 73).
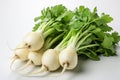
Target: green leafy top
(89, 31)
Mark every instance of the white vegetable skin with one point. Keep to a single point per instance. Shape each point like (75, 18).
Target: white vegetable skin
(68, 57)
(22, 54)
(34, 41)
(50, 62)
(35, 57)
(50, 59)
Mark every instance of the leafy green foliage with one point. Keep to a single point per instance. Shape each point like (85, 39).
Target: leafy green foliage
(58, 10)
(100, 34)
(116, 37)
(107, 42)
(89, 31)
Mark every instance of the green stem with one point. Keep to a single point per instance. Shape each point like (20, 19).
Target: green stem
(41, 26)
(71, 42)
(82, 40)
(48, 32)
(47, 41)
(44, 25)
(83, 47)
(80, 36)
(48, 23)
(64, 40)
(54, 40)
(91, 22)
(94, 20)
(77, 37)
(92, 52)
(86, 25)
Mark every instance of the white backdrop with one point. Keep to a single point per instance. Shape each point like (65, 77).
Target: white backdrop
(16, 19)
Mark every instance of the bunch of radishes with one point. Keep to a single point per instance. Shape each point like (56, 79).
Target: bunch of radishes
(60, 35)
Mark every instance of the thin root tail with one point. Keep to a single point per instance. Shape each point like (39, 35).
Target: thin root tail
(25, 66)
(41, 70)
(61, 73)
(13, 60)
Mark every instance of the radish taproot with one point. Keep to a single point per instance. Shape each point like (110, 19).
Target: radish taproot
(68, 59)
(34, 58)
(49, 57)
(50, 62)
(20, 53)
(33, 41)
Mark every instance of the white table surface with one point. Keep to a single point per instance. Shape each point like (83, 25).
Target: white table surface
(16, 19)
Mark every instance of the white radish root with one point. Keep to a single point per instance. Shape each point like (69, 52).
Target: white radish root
(25, 66)
(50, 62)
(34, 41)
(68, 59)
(12, 61)
(38, 72)
(35, 58)
(21, 54)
